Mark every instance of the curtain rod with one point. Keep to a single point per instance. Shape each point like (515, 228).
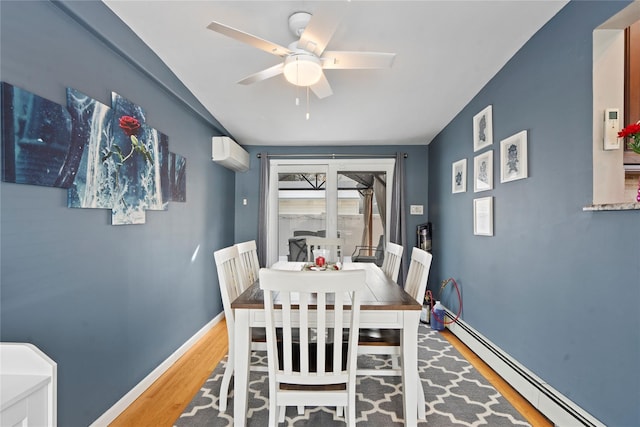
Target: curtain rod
(333, 156)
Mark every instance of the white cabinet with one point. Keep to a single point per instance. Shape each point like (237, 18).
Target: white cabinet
(28, 386)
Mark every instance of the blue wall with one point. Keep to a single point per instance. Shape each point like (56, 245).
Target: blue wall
(107, 303)
(556, 287)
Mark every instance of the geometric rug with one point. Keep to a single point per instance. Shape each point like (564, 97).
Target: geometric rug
(455, 394)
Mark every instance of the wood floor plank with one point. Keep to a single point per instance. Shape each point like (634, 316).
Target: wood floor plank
(167, 398)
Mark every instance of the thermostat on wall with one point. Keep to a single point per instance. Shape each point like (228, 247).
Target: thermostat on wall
(611, 128)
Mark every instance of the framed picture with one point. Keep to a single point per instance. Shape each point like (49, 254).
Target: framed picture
(459, 176)
(483, 172)
(483, 216)
(482, 129)
(513, 157)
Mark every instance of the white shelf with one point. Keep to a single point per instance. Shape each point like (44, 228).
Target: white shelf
(628, 206)
(28, 386)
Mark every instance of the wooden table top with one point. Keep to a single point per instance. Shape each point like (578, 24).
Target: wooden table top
(380, 293)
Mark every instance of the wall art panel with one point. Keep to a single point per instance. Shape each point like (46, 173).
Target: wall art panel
(106, 156)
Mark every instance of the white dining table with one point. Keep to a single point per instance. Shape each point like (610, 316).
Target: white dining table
(384, 304)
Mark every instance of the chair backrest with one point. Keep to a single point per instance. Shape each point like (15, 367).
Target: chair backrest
(380, 251)
(334, 244)
(248, 256)
(230, 277)
(392, 260)
(312, 307)
(297, 233)
(416, 283)
(297, 249)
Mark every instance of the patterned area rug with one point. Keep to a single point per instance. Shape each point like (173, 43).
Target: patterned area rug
(455, 394)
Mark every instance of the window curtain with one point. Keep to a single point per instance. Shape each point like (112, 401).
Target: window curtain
(262, 211)
(398, 232)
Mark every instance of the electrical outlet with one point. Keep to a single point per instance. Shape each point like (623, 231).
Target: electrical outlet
(416, 210)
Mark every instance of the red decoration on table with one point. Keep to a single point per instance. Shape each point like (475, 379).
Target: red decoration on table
(320, 261)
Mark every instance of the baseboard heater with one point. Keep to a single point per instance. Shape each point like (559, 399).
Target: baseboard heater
(553, 404)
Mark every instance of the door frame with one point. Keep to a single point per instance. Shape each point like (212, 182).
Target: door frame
(331, 168)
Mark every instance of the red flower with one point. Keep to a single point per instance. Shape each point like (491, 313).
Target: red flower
(630, 130)
(129, 125)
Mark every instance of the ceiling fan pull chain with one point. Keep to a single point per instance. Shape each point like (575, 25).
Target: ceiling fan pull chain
(307, 102)
(297, 87)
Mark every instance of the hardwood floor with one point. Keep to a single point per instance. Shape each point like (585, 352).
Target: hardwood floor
(167, 398)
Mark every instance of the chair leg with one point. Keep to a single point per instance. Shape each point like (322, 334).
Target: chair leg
(395, 362)
(281, 413)
(421, 402)
(339, 410)
(273, 402)
(300, 410)
(350, 409)
(350, 412)
(224, 386)
(273, 414)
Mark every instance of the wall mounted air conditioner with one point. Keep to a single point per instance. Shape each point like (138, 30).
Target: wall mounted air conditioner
(229, 154)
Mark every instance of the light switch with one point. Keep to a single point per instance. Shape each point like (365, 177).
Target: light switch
(416, 210)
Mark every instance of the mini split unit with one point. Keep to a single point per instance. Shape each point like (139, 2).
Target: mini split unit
(228, 153)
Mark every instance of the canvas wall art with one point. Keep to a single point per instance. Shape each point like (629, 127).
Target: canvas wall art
(105, 156)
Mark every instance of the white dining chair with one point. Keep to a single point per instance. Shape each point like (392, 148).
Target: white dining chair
(333, 244)
(387, 341)
(306, 368)
(248, 256)
(392, 260)
(231, 278)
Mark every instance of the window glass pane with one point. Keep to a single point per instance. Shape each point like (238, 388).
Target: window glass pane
(302, 210)
(359, 220)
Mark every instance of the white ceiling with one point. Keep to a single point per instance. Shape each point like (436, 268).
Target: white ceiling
(446, 52)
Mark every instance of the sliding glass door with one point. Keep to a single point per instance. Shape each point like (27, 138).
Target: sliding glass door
(344, 198)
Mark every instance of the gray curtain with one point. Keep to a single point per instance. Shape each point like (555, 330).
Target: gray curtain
(262, 211)
(398, 232)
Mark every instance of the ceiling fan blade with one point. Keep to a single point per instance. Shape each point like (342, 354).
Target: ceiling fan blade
(262, 44)
(342, 60)
(321, 27)
(322, 89)
(263, 75)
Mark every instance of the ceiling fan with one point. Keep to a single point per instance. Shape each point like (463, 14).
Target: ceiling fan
(306, 58)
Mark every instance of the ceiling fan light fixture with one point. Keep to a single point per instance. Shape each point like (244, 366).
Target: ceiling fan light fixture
(302, 70)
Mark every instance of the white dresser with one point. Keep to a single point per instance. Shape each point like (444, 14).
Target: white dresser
(28, 383)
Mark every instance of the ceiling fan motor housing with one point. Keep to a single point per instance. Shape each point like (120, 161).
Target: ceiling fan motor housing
(298, 22)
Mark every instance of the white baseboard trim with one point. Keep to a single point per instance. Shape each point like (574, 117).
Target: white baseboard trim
(554, 405)
(126, 400)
